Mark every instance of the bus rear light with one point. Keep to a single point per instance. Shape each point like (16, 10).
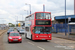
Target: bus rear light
(37, 36)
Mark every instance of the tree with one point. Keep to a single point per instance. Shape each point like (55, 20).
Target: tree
(11, 25)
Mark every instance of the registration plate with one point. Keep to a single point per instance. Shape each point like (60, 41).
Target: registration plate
(15, 40)
(43, 39)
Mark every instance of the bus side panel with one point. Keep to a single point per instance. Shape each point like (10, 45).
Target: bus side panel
(31, 28)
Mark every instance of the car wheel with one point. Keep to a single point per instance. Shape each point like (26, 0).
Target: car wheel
(8, 41)
(20, 41)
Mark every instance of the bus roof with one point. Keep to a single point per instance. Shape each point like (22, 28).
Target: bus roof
(38, 12)
(42, 12)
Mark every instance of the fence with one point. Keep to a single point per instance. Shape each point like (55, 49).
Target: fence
(72, 29)
(59, 28)
(3, 26)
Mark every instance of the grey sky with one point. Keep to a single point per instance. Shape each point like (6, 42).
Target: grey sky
(10, 9)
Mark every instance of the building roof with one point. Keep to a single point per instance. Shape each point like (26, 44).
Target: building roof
(72, 23)
(63, 17)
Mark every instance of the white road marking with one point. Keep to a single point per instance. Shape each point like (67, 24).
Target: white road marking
(40, 47)
(30, 43)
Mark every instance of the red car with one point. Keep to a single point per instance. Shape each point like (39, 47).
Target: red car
(14, 37)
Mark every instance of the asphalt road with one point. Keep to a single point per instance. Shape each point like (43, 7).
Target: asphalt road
(33, 45)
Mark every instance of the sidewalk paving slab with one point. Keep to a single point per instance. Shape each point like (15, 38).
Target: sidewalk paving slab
(60, 35)
(2, 31)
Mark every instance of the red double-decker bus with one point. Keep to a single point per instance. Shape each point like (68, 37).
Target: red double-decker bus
(38, 26)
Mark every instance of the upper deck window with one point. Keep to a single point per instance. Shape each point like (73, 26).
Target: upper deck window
(43, 15)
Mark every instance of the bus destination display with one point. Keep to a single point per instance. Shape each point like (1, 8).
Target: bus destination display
(43, 22)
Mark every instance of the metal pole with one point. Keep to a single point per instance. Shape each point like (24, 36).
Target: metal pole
(22, 22)
(65, 17)
(43, 8)
(68, 28)
(17, 21)
(30, 8)
(27, 12)
(74, 7)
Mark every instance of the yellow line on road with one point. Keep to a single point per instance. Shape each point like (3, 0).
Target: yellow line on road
(40, 47)
(30, 43)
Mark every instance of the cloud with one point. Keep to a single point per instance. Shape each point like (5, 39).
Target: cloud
(10, 9)
(68, 12)
(3, 12)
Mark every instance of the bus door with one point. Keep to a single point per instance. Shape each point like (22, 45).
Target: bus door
(28, 32)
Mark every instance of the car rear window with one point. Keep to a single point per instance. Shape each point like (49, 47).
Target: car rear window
(14, 34)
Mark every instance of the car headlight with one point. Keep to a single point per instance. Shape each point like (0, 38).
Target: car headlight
(19, 37)
(10, 38)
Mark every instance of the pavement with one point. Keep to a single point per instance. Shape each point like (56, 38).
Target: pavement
(1, 38)
(2, 31)
(62, 35)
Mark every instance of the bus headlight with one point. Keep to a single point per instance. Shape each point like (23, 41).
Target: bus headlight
(37, 36)
(49, 36)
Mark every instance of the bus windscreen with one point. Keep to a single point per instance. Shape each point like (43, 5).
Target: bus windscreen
(43, 15)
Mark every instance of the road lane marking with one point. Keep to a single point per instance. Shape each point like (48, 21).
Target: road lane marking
(30, 43)
(40, 47)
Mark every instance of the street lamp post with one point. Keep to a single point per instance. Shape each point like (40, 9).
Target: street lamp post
(27, 11)
(65, 17)
(29, 6)
(16, 20)
(43, 8)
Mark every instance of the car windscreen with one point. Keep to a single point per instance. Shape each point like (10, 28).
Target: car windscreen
(14, 34)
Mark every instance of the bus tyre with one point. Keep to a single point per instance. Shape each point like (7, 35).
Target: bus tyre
(45, 40)
(31, 37)
(26, 36)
